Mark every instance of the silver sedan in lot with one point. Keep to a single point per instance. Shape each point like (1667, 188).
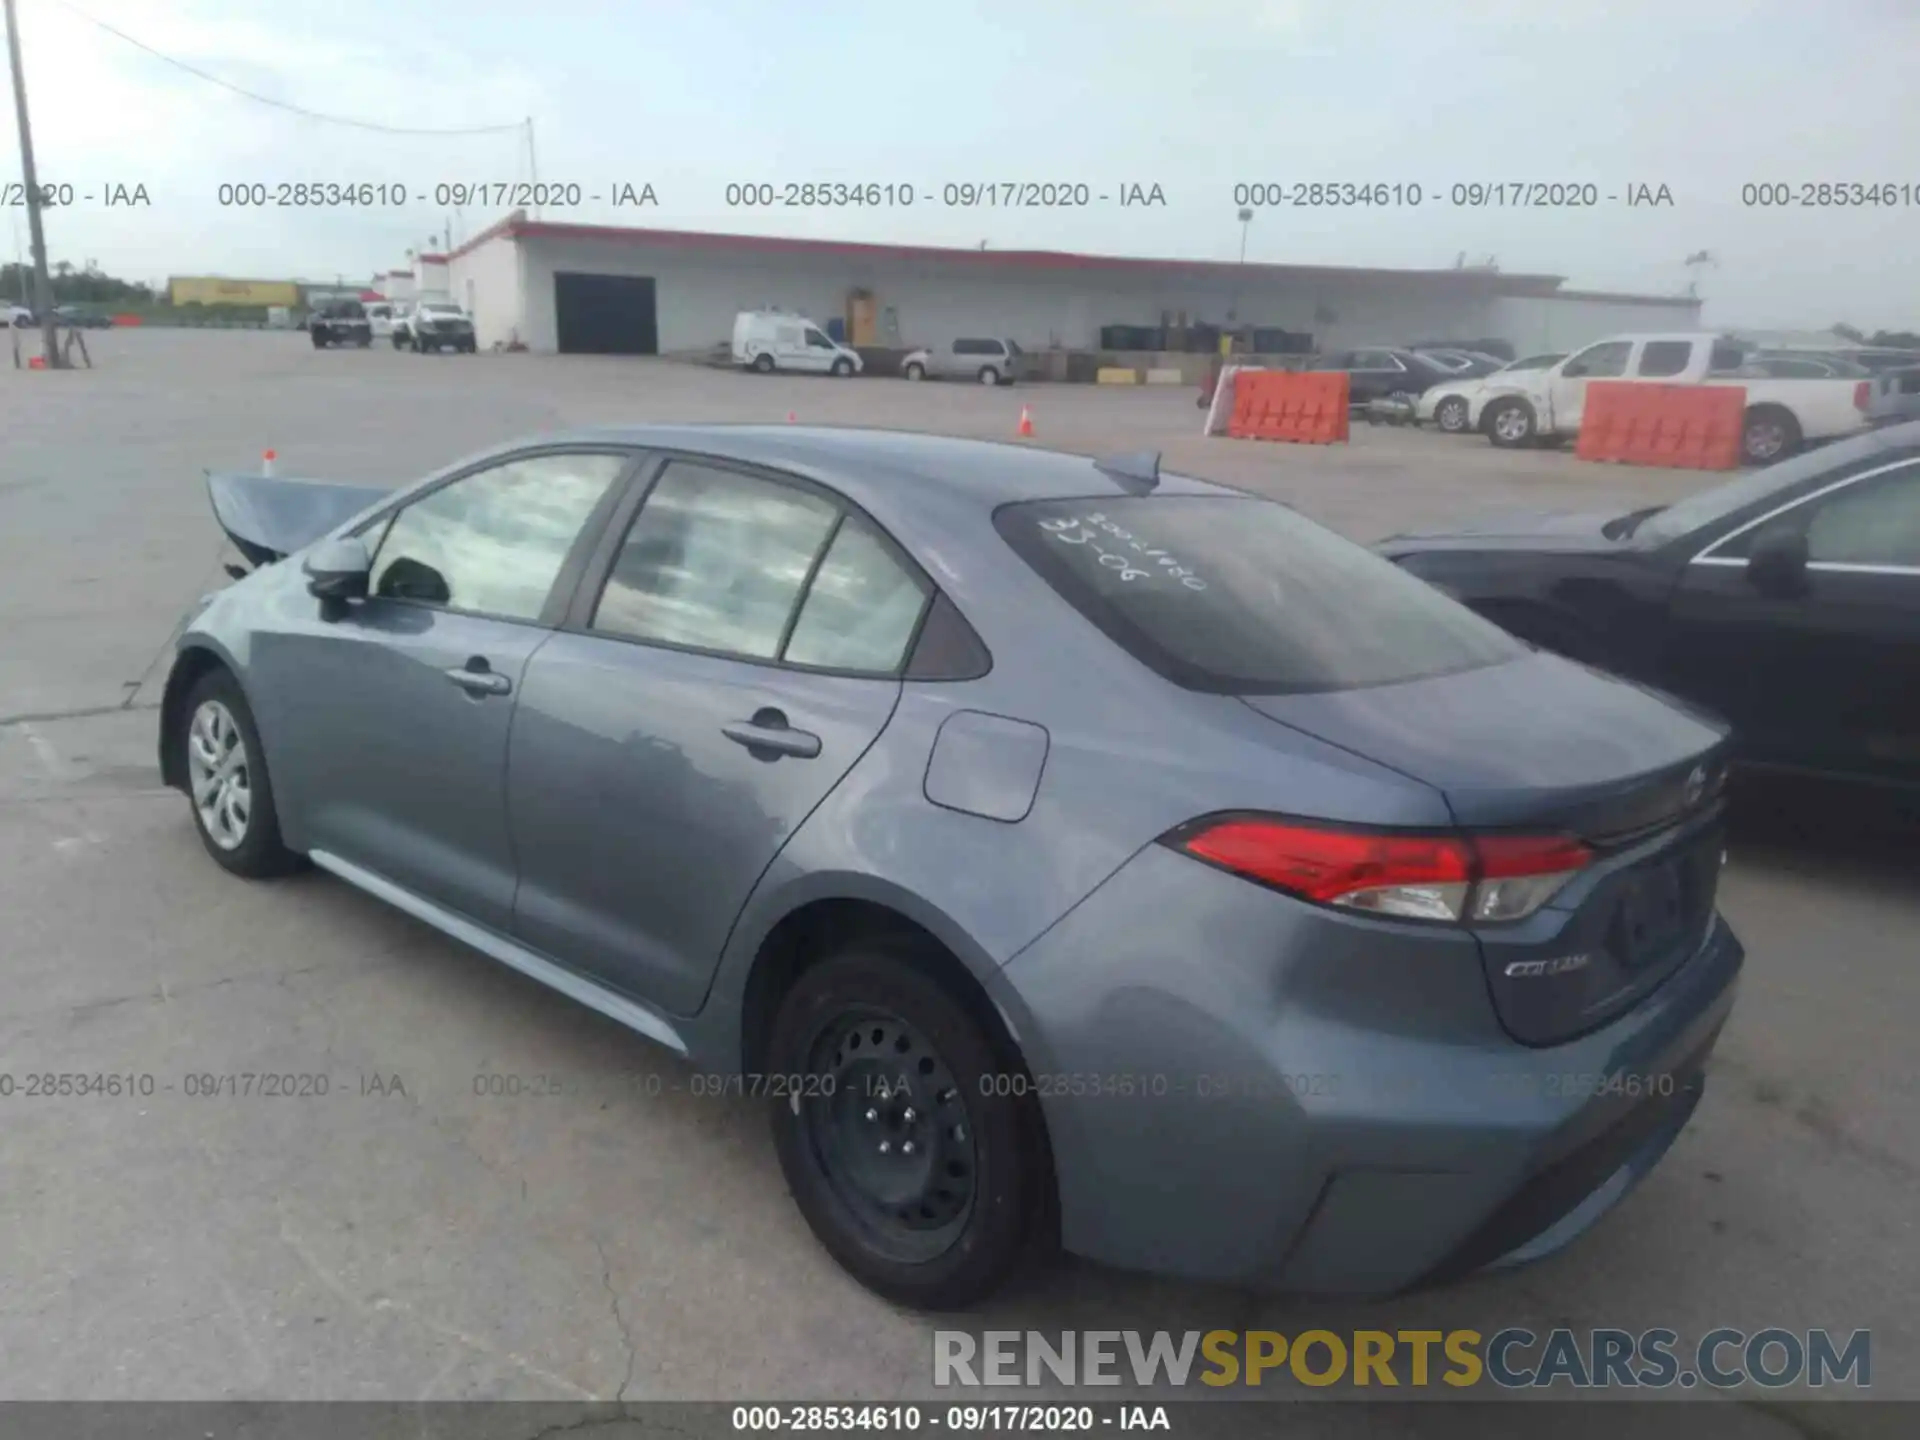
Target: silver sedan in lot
(1065, 851)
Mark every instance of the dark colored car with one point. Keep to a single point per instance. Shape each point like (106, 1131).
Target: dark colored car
(1382, 372)
(1466, 364)
(81, 319)
(340, 322)
(1498, 349)
(1787, 601)
(1059, 848)
(1880, 360)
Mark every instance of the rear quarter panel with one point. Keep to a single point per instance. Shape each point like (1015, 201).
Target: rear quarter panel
(1129, 756)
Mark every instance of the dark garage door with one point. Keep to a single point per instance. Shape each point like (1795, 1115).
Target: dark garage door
(605, 314)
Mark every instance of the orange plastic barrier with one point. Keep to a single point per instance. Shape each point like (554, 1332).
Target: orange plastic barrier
(1687, 427)
(1304, 407)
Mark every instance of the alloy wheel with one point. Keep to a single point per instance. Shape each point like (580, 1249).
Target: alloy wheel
(217, 767)
(1765, 439)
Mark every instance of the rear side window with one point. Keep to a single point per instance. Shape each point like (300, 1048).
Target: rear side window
(862, 606)
(1665, 357)
(1243, 596)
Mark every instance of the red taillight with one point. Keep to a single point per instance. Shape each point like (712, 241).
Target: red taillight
(1863, 396)
(1413, 876)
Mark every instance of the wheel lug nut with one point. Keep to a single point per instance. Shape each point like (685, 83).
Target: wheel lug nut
(873, 1115)
(885, 1147)
(906, 1147)
(909, 1115)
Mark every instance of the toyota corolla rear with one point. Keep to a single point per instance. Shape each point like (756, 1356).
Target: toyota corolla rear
(1366, 1044)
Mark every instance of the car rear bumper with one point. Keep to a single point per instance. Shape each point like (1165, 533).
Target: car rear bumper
(1246, 1089)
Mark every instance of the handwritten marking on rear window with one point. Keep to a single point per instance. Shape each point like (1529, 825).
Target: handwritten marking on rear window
(1098, 532)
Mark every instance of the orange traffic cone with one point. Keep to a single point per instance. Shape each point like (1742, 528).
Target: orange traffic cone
(1026, 424)
(789, 417)
(267, 457)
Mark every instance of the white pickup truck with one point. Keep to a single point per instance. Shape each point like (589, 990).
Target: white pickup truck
(1781, 415)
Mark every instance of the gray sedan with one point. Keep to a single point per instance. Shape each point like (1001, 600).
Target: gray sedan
(1068, 853)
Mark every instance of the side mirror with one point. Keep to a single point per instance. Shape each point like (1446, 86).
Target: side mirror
(1777, 564)
(338, 569)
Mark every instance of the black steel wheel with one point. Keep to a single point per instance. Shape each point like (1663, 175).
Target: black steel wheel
(894, 1138)
(915, 1163)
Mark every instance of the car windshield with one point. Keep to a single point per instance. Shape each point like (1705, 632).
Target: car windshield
(1533, 362)
(1708, 506)
(441, 309)
(1236, 595)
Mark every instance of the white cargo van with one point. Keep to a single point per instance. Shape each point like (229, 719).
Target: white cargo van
(769, 340)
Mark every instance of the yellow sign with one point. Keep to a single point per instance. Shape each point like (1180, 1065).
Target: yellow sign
(212, 290)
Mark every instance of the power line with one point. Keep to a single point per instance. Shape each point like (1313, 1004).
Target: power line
(194, 70)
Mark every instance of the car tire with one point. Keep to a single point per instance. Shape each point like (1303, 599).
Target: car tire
(1450, 415)
(763, 364)
(1510, 424)
(472, 347)
(989, 375)
(928, 1188)
(842, 369)
(319, 343)
(399, 341)
(916, 371)
(364, 342)
(237, 821)
(1767, 434)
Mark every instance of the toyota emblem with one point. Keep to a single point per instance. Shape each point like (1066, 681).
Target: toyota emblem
(1695, 788)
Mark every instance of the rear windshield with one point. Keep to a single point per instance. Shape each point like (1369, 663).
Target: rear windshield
(1244, 596)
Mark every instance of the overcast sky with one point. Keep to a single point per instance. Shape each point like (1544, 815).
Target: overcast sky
(1195, 96)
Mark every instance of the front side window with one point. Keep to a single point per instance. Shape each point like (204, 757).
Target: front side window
(818, 341)
(715, 560)
(1243, 596)
(861, 609)
(1876, 522)
(1376, 360)
(1600, 362)
(493, 542)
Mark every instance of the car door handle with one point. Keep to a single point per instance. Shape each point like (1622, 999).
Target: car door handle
(768, 731)
(479, 682)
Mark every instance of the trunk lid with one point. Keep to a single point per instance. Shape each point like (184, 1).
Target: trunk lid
(1542, 744)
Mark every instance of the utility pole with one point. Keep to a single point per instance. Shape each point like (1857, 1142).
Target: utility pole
(42, 287)
(1240, 270)
(533, 164)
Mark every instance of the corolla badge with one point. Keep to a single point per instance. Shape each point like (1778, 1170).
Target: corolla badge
(1559, 965)
(1695, 788)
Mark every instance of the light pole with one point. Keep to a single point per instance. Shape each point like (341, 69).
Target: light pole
(42, 287)
(1239, 271)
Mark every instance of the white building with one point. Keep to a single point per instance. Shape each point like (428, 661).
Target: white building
(599, 289)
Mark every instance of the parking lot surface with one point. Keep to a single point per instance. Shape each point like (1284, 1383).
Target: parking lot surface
(412, 1235)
